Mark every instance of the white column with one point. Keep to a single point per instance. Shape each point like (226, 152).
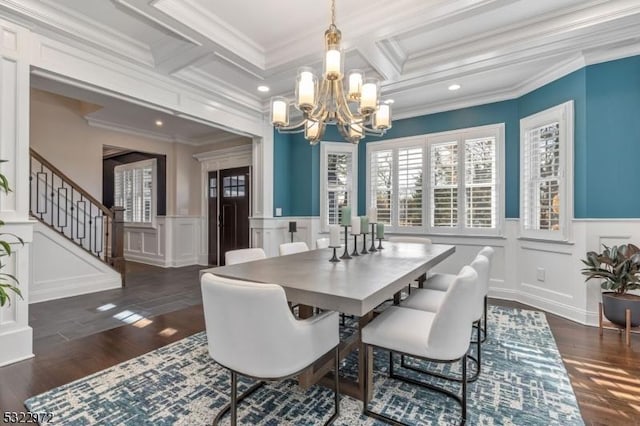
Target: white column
(15, 333)
(263, 172)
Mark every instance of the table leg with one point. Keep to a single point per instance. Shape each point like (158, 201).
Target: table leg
(362, 353)
(305, 311)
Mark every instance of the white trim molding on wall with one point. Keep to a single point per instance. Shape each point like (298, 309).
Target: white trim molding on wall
(351, 184)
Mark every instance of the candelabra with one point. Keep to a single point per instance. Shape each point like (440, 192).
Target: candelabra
(345, 255)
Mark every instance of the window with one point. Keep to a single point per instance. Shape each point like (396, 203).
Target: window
(460, 172)
(135, 190)
(339, 166)
(546, 150)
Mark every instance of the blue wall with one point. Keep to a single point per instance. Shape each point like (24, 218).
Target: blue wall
(613, 134)
(606, 149)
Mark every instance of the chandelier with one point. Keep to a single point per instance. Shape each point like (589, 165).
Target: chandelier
(356, 111)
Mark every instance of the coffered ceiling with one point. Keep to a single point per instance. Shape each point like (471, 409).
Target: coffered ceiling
(494, 49)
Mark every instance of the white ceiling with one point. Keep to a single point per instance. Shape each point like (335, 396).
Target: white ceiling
(496, 49)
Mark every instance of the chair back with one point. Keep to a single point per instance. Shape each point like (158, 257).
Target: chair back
(450, 331)
(481, 265)
(292, 248)
(408, 239)
(249, 326)
(322, 243)
(233, 257)
(488, 253)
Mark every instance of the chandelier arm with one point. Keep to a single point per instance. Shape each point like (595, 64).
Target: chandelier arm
(320, 107)
(293, 128)
(343, 113)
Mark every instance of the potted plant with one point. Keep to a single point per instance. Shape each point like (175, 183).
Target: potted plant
(619, 266)
(8, 282)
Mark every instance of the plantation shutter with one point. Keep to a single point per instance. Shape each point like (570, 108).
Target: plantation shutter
(133, 190)
(339, 178)
(444, 184)
(480, 183)
(410, 187)
(542, 204)
(381, 184)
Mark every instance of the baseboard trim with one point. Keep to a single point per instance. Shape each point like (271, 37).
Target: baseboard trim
(58, 289)
(17, 345)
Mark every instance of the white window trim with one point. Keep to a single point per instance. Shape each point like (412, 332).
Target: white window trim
(495, 130)
(337, 147)
(563, 114)
(154, 189)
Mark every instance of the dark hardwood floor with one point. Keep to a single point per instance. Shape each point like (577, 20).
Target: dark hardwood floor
(604, 372)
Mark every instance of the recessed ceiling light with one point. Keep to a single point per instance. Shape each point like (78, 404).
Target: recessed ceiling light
(454, 87)
(389, 101)
(263, 88)
(159, 123)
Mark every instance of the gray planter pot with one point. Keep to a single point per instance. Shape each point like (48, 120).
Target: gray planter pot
(614, 307)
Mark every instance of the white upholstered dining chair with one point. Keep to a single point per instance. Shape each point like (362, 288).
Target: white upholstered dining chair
(233, 257)
(292, 248)
(252, 332)
(430, 300)
(441, 336)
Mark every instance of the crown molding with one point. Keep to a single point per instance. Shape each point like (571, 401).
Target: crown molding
(62, 21)
(134, 131)
(203, 80)
(550, 75)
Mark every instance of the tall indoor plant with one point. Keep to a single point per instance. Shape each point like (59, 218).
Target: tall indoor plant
(8, 282)
(619, 267)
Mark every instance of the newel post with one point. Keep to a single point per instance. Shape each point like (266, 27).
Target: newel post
(117, 241)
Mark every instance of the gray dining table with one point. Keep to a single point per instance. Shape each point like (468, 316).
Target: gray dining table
(355, 287)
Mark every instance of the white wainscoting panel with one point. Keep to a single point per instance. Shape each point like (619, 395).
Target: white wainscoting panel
(174, 242)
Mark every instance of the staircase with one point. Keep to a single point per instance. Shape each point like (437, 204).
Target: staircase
(63, 206)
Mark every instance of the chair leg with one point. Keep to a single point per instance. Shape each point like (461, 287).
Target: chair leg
(234, 395)
(486, 318)
(464, 389)
(336, 388)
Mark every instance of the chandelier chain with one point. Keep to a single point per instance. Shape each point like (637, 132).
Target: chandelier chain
(333, 13)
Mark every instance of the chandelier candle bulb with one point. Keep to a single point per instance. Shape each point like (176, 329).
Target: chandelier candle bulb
(355, 84)
(333, 64)
(369, 98)
(334, 236)
(280, 111)
(306, 95)
(355, 225)
(382, 117)
(373, 215)
(355, 132)
(312, 130)
(345, 218)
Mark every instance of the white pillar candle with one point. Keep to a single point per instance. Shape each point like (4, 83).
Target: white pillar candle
(364, 224)
(355, 225)
(334, 236)
(373, 215)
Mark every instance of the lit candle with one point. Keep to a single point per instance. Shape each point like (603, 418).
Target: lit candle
(279, 112)
(345, 218)
(355, 84)
(355, 225)
(334, 236)
(369, 98)
(306, 90)
(380, 230)
(382, 117)
(333, 64)
(373, 215)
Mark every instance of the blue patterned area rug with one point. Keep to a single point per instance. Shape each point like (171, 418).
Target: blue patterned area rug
(523, 382)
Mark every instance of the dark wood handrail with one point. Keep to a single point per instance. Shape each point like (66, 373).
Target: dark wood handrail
(71, 183)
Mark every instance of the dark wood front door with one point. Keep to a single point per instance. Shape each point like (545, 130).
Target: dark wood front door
(229, 220)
